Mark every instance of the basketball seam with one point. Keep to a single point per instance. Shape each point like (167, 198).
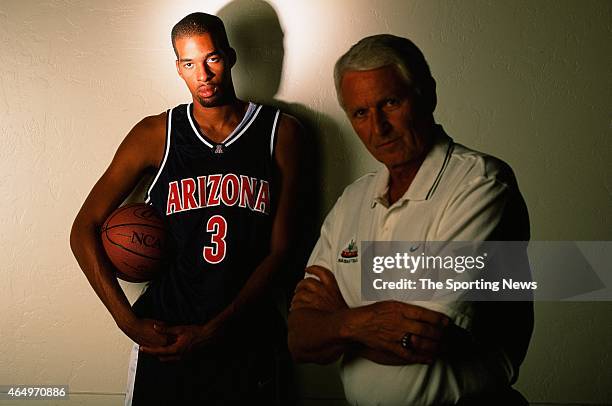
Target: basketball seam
(124, 208)
(134, 224)
(127, 249)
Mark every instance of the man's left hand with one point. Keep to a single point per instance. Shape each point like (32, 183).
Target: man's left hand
(184, 339)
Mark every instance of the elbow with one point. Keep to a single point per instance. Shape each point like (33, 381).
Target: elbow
(293, 341)
(294, 350)
(79, 235)
(298, 347)
(303, 351)
(75, 232)
(299, 353)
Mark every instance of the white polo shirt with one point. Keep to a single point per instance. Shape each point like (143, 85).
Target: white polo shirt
(457, 195)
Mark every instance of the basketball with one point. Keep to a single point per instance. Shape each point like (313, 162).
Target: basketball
(134, 238)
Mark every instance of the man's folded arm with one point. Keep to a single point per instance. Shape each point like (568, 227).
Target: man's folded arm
(318, 337)
(322, 327)
(314, 336)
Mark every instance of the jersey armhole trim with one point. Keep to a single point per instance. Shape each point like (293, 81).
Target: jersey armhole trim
(166, 152)
(233, 137)
(273, 135)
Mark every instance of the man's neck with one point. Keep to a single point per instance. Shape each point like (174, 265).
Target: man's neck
(401, 176)
(400, 179)
(219, 121)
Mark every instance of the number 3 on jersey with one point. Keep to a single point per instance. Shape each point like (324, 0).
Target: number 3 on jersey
(218, 227)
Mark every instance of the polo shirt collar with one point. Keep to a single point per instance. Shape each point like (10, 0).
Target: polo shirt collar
(427, 176)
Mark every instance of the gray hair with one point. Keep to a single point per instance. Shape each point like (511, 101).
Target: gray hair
(382, 50)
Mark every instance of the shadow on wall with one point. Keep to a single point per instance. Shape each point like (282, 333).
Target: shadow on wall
(255, 32)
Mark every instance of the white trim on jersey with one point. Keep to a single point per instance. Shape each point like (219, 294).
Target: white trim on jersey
(273, 133)
(246, 122)
(195, 130)
(247, 117)
(131, 378)
(246, 126)
(163, 163)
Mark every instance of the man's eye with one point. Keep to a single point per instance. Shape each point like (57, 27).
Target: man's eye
(359, 113)
(391, 102)
(213, 59)
(188, 65)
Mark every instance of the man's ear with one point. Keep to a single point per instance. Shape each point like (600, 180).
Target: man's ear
(177, 68)
(426, 99)
(231, 57)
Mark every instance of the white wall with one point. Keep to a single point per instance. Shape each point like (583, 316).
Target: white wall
(527, 81)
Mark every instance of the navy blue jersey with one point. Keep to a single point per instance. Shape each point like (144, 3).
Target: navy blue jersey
(218, 201)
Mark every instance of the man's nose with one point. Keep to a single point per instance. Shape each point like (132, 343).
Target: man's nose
(379, 124)
(205, 73)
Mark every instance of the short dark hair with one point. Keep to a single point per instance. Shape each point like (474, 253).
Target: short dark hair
(200, 23)
(382, 50)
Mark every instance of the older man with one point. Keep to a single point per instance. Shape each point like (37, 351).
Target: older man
(429, 189)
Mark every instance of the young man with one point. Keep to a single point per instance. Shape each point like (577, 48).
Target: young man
(429, 188)
(226, 183)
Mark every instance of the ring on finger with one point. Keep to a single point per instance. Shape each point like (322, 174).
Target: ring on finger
(407, 341)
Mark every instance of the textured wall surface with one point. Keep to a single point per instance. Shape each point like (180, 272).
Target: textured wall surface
(526, 81)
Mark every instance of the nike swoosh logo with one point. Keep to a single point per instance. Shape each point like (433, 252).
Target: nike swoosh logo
(261, 384)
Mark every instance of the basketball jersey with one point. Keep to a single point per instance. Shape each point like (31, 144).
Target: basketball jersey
(218, 201)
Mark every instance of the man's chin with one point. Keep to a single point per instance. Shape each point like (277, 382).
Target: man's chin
(213, 101)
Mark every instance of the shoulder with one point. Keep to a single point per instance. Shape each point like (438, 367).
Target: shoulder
(480, 199)
(289, 139)
(148, 138)
(361, 185)
(357, 193)
(286, 125)
(153, 124)
(151, 129)
(289, 127)
(470, 165)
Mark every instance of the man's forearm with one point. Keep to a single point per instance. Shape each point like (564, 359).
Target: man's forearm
(373, 331)
(316, 336)
(323, 337)
(96, 267)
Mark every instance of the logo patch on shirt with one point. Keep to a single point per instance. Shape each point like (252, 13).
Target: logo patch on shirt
(350, 253)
